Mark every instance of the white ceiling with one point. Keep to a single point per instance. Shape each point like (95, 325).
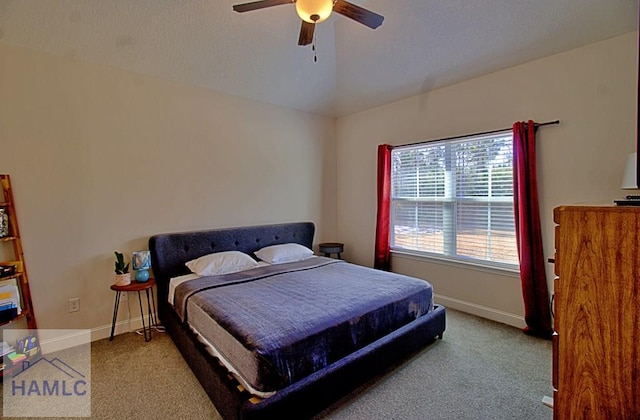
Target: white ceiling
(422, 44)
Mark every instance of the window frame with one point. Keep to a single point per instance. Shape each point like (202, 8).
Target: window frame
(450, 203)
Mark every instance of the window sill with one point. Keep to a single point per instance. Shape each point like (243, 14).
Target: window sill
(508, 272)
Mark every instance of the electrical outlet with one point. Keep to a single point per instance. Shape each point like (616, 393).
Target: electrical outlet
(74, 304)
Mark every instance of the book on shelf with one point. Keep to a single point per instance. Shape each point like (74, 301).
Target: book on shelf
(10, 294)
(5, 348)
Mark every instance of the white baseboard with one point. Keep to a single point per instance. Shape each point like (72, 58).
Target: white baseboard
(122, 327)
(56, 340)
(481, 311)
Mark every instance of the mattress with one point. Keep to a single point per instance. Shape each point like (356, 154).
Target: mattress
(227, 343)
(277, 324)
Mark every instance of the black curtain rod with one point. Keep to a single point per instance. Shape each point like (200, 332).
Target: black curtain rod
(536, 125)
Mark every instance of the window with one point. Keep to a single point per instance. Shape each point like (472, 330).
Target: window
(454, 199)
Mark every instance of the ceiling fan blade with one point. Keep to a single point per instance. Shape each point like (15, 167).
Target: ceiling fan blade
(359, 14)
(247, 7)
(306, 33)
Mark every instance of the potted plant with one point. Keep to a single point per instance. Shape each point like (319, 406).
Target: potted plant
(123, 277)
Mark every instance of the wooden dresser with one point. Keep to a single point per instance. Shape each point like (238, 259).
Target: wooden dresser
(596, 348)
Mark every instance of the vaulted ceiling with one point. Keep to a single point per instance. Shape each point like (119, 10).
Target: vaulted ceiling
(422, 44)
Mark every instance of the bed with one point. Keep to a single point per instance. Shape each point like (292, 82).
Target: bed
(242, 333)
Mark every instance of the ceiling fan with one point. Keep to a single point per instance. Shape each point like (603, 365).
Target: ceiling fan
(316, 11)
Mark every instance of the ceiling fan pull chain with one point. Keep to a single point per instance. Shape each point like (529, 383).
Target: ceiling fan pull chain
(313, 47)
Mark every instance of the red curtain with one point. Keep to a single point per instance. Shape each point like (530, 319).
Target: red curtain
(382, 259)
(535, 293)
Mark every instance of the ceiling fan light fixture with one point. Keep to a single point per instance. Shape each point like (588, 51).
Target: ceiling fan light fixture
(314, 11)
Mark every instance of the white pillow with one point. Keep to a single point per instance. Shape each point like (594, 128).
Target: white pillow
(221, 263)
(277, 254)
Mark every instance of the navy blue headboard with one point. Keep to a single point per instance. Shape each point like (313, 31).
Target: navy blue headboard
(169, 251)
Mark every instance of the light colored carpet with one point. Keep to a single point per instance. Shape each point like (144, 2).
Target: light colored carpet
(480, 370)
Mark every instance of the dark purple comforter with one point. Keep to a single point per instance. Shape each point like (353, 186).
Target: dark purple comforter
(301, 317)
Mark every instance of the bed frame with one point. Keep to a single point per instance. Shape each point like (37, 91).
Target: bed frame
(310, 395)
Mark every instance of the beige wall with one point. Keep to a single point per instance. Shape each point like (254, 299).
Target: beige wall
(591, 90)
(101, 159)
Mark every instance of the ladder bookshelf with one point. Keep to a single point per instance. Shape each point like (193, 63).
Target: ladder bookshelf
(12, 245)
(16, 307)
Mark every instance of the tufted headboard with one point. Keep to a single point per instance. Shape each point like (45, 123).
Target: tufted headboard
(169, 251)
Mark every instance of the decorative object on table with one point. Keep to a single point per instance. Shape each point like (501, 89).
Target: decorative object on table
(123, 277)
(630, 182)
(4, 223)
(141, 262)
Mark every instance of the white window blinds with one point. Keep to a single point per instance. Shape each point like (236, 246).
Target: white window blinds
(454, 199)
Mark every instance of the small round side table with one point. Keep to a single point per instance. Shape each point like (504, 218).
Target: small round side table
(329, 248)
(135, 286)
